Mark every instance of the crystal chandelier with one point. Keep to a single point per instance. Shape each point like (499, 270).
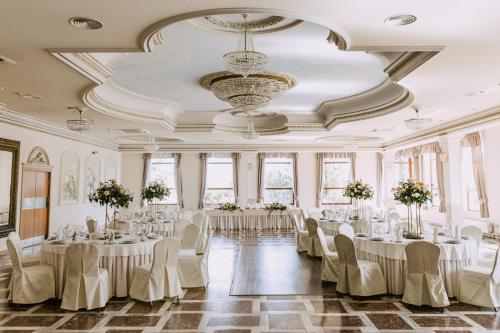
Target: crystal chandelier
(248, 93)
(151, 146)
(245, 60)
(80, 124)
(417, 123)
(250, 133)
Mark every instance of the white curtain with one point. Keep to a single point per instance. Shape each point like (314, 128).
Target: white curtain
(473, 140)
(145, 172)
(320, 157)
(203, 179)
(236, 171)
(380, 175)
(261, 157)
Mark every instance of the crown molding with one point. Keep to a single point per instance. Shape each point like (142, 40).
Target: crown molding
(487, 117)
(337, 39)
(22, 120)
(407, 63)
(86, 64)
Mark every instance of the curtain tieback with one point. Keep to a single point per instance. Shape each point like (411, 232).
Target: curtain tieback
(483, 200)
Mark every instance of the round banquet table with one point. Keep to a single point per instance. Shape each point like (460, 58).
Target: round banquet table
(119, 259)
(165, 229)
(392, 259)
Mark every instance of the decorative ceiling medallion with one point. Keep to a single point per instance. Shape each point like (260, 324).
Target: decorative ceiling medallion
(252, 113)
(400, 19)
(248, 93)
(257, 23)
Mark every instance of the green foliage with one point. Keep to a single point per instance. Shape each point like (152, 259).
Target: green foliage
(112, 194)
(358, 190)
(155, 190)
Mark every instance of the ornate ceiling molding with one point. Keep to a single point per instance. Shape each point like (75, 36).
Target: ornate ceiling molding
(22, 120)
(337, 39)
(260, 25)
(86, 64)
(407, 62)
(383, 99)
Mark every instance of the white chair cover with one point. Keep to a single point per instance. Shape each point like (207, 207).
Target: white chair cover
(16, 241)
(357, 277)
(29, 285)
(473, 232)
(179, 226)
(172, 283)
(314, 248)
(360, 225)
(330, 260)
(346, 229)
(303, 238)
(198, 219)
(424, 284)
(190, 237)
(91, 225)
(87, 285)
(193, 269)
(392, 219)
(187, 214)
(480, 285)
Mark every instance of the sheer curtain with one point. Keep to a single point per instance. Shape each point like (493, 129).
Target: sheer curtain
(145, 172)
(473, 140)
(236, 172)
(203, 179)
(320, 157)
(177, 170)
(236, 167)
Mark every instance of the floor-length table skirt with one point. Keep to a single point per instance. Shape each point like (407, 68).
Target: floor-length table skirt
(392, 259)
(119, 259)
(251, 219)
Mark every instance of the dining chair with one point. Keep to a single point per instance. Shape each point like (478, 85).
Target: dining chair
(329, 260)
(475, 233)
(86, 285)
(357, 277)
(392, 220)
(91, 225)
(346, 229)
(172, 283)
(193, 268)
(190, 237)
(198, 219)
(187, 214)
(303, 238)
(179, 226)
(148, 284)
(31, 284)
(480, 285)
(314, 247)
(424, 283)
(25, 261)
(360, 226)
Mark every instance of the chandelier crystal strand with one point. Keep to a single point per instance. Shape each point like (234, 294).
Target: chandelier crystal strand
(245, 60)
(417, 123)
(251, 133)
(80, 124)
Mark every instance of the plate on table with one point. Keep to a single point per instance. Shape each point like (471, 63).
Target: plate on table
(130, 241)
(153, 236)
(377, 239)
(453, 241)
(361, 234)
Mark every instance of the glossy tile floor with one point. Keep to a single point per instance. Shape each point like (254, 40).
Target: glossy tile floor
(216, 311)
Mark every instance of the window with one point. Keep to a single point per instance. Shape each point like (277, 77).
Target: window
(337, 173)
(219, 178)
(164, 169)
(278, 180)
(429, 175)
(469, 191)
(402, 170)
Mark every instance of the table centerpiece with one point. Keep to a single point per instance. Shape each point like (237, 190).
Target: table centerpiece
(112, 194)
(358, 191)
(413, 195)
(155, 191)
(230, 207)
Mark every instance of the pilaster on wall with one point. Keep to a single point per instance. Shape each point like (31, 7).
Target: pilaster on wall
(452, 156)
(388, 180)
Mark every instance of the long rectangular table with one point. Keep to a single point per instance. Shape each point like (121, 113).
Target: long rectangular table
(248, 219)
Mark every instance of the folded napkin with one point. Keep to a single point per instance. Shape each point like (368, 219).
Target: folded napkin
(59, 233)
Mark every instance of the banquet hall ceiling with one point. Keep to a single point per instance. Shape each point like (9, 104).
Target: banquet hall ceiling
(146, 68)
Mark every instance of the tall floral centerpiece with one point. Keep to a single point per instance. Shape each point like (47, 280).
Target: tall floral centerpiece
(358, 191)
(156, 190)
(413, 195)
(111, 194)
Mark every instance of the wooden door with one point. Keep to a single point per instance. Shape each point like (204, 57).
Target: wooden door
(35, 193)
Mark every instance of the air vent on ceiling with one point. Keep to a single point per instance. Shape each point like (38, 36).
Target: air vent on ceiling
(131, 131)
(85, 23)
(6, 61)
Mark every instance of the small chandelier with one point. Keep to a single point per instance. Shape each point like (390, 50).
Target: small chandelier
(245, 60)
(250, 133)
(151, 146)
(417, 123)
(80, 124)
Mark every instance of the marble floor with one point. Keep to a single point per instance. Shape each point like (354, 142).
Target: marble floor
(214, 310)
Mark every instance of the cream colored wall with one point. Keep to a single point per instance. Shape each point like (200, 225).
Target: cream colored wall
(55, 147)
(190, 169)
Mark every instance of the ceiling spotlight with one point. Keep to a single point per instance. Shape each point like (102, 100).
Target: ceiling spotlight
(28, 96)
(151, 146)
(80, 124)
(85, 23)
(400, 19)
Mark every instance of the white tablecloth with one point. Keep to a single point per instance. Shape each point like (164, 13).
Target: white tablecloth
(119, 259)
(329, 227)
(251, 219)
(392, 259)
(163, 229)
